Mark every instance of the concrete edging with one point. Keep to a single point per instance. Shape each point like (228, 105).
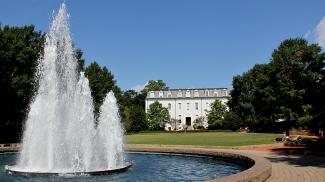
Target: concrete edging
(259, 171)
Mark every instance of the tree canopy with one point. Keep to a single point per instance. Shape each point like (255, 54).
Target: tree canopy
(284, 92)
(216, 115)
(157, 116)
(101, 81)
(155, 85)
(20, 48)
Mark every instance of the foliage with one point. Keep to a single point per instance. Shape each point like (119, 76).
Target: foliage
(216, 115)
(232, 121)
(154, 85)
(199, 123)
(101, 81)
(80, 59)
(134, 116)
(157, 116)
(20, 48)
(174, 123)
(133, 105)
(286, 89)
(135, 119)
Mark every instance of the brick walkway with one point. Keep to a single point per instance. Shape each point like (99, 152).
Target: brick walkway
(295, 168)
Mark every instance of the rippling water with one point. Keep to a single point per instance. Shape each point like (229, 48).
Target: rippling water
(146, 167)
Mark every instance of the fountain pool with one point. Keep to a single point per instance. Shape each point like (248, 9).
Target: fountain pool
(146, 167)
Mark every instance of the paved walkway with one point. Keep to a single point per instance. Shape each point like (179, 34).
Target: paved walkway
(294, 168)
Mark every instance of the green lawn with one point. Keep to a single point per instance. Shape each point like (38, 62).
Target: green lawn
(219, 138)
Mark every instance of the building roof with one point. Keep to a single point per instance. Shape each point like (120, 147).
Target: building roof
(189, 93)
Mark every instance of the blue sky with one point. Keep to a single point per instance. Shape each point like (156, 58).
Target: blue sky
(186, 43)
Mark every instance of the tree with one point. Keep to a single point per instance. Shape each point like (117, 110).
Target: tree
(155, 85)
(135, 119)
(157, 116)
(80, 59)
(200, 123)
(252, 98)
(101, 81)
(286, 89)
(20, 48)
(216, 114)
(134, 116)
(297, 71)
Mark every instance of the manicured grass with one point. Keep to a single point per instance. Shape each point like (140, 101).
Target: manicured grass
(217, 138)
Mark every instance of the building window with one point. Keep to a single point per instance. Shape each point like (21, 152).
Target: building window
(224, 92)
(169, 106)
(207, 105)
(152, 94)
(179, 94)
(196, 93)
(206, 93)
(169, 94)
(188, 106)
(161, 94)
(196, 106)
(216, 93)
(179, 106)
(188, 93)
(180, 117)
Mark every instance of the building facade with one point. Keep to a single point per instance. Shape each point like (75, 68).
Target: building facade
(186, 105)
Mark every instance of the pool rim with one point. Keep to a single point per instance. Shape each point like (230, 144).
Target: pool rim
(260, 170)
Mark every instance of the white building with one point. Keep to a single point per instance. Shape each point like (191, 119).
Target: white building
(185, 105)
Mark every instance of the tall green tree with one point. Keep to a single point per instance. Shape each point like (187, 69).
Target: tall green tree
(157, 116)
(134, 116)
(20, 48)
(298, 69)
(101, 81)
(286, 89)
(216, 115)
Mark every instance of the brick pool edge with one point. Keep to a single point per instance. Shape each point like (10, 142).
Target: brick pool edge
(259, 171)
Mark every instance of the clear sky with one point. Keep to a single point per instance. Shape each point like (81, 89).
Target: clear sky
(186, 43)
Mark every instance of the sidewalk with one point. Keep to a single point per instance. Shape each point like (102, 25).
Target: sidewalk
(293, 167)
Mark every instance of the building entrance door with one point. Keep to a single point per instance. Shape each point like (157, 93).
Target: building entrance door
(188, 121)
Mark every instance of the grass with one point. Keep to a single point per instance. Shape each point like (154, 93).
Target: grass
(216, 138)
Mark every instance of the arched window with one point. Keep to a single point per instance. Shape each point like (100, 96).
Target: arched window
(169, 94)
(161, 94)
(188, 93)
(152, 94)
(179, 94)
(215, 93)
(196, 93)
(224, 93)
(206, 93)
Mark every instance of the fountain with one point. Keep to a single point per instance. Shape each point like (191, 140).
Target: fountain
(60, 134)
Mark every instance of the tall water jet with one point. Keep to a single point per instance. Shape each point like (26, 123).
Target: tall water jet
(60, 134)
(109, 118)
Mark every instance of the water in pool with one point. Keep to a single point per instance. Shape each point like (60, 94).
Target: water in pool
(146, 167)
